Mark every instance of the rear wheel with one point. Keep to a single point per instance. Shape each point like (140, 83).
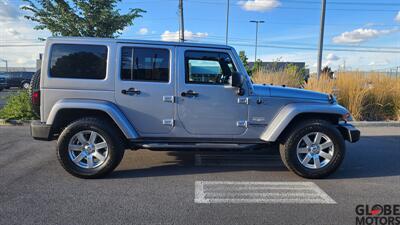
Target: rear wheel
(314, 149)
(90, 148)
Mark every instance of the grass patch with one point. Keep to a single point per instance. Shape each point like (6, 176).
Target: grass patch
(17, 107)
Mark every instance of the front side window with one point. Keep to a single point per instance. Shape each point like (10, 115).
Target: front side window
(144, 64)
(208, 67)
(78, 61)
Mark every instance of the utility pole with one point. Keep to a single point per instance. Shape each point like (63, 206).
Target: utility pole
(182, 30)
(6, 62)
(227, 24)
(321, 38)
(255, 51)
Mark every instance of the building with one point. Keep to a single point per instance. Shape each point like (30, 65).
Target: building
(18, 69)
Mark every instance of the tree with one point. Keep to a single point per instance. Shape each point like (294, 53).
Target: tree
(243, 58)
(257, 66)
(86, 18)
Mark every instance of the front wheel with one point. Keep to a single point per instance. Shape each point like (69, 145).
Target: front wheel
(314, 149)
(90, 148)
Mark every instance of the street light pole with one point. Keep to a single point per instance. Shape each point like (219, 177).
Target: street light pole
(227, 24)
(321, 38)
(255, 51)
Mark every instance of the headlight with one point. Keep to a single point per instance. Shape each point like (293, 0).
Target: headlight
(347, 117)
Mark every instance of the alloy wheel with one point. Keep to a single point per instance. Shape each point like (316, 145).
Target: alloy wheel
(88, 149)
(315, 150)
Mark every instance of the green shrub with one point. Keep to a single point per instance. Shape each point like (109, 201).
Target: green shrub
(17, 107)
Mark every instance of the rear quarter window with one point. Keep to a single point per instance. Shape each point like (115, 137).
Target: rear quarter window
(78, 61)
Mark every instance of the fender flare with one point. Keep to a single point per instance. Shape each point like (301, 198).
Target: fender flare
(105, 106)
(290, 111)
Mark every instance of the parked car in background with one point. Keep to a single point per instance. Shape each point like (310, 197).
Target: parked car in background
(3, 83)
(18, 79)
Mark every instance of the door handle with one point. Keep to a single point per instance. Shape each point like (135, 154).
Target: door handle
(131, 91)
(189, 93)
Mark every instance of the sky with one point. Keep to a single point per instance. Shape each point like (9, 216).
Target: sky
(359, 34)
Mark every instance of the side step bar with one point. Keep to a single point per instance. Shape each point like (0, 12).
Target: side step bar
(197, 146)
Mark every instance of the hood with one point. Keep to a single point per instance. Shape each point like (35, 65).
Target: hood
(287, 92)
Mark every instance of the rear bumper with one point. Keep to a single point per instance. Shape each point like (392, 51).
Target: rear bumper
(40, 131)
(349, 132)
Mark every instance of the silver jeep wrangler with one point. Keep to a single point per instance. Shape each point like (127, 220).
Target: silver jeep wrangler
(98, 97)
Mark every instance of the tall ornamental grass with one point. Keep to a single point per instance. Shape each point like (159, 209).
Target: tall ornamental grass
(368, 96)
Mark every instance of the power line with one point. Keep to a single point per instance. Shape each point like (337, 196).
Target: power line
(296, 8)
(265, 46)
(313, 2)
(309, 8)
(313, 49)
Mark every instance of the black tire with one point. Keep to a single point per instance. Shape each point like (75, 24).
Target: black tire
(288, 150)
(34, 87)
(111, 135)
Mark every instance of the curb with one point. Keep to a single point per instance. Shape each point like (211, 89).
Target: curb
(375, 123)
(4, 122)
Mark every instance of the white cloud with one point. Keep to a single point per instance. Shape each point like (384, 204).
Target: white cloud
(397, 18)
(332, 57)
(259, 5)
(143, 31)
(8, 12)
(13, 32)
(361, 35)
(327, 63)
(174, 36)
(379, 63)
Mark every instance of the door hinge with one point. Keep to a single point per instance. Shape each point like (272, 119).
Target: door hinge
(168, 122)
(243, 101)
(170, 99)
(242, 123)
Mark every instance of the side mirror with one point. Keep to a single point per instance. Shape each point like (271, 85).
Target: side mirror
(237, 79)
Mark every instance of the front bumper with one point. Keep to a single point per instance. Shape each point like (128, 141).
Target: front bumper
(349, 132)
(40, 131)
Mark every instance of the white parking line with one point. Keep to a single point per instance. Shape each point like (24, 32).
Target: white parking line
(260, 192)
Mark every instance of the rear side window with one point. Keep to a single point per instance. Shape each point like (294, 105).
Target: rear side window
(78, 61)
(144, 64)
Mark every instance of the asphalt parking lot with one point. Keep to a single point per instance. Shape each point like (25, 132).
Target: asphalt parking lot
(151, 187)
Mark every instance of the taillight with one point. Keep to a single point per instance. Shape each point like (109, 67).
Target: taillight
(36, 97)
